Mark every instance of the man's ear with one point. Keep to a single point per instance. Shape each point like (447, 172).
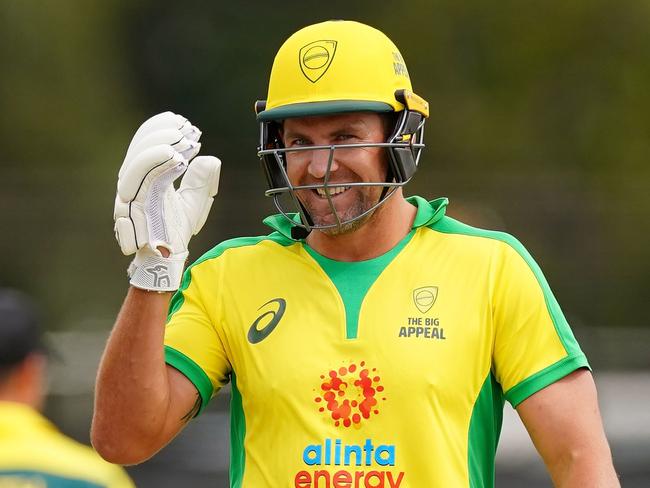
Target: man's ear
(34, 365)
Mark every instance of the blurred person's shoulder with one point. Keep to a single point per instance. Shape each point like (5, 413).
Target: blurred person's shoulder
(36, 453)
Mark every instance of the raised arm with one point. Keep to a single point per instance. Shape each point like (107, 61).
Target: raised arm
(140, 402)
(564, 423)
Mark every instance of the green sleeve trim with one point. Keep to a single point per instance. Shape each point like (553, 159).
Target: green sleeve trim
(562, 328)
(545, 377)
(176, 358)
(193, 372)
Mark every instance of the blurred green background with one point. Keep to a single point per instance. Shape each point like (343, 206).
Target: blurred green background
(540, 126)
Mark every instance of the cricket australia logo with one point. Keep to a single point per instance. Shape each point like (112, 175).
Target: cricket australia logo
(160, 275)
(315, 59)
(428, 327)
(424, 297)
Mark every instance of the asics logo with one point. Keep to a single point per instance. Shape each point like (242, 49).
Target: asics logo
(256, 334)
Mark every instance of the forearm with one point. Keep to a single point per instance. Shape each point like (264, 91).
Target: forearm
(564, 422)
(132, 393)
(585, 469)
(140, 402)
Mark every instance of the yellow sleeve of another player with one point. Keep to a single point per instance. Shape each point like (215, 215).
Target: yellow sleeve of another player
(533, 345)
(192, 341)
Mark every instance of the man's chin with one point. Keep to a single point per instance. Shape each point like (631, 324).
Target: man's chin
(347, 226)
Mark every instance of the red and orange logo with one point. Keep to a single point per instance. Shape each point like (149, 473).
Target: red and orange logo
(350, 394)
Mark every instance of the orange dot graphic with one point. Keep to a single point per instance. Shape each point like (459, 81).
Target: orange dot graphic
(349, 392)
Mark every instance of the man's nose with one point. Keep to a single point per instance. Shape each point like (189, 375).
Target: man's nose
(319, 162)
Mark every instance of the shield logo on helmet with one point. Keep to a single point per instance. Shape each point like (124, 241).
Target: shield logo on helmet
(316, 58)
(425, 297)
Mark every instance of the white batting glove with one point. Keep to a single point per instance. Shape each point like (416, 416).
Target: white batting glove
(149, 212)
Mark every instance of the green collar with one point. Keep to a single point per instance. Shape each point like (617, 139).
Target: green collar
(427, 214)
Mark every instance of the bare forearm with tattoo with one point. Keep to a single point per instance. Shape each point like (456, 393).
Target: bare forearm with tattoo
(140, 402)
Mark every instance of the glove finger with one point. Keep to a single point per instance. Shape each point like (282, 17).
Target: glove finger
(191, 149)
(124, 228)
(165, 120)
(162, 121)
(125, 235)
(145, 167)
(130, 225)
(172, 137)
(191, 131)
(199, 184)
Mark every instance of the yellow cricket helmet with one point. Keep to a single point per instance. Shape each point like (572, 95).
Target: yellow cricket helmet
(334, 67)
(330, 68)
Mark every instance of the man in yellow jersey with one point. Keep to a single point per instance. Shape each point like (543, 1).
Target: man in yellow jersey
(32, 452)
(370, 340)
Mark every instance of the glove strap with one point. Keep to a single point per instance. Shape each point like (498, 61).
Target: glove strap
(156, 273)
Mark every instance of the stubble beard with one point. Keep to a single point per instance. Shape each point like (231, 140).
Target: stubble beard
(363, 202)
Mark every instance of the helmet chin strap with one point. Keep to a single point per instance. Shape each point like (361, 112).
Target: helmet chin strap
(390, 178)
(299, 233)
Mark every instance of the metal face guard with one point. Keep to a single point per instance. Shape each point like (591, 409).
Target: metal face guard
(404, 149)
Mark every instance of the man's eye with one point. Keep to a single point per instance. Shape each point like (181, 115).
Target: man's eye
(345, 137)
(298, 142)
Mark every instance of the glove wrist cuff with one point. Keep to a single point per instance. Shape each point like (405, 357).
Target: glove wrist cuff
(156, 273)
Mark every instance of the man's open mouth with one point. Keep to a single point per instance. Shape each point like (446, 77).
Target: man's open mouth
(333, 191)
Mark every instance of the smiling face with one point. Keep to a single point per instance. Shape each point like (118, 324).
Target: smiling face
(348, 165)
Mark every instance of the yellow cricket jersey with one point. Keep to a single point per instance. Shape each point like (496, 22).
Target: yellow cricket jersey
(34, 454)
(390, 372)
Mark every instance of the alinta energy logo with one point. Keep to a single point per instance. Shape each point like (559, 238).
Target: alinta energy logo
(350, 394)
(315, 58)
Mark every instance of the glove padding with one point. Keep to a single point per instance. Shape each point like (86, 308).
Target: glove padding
(149, 212)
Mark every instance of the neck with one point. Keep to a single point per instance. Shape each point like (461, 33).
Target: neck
(390, 223)
(25, 382)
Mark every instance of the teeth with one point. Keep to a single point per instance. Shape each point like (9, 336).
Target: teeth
(334, 190)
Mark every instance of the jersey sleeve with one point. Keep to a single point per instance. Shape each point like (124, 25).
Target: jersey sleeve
(533, 345)
(192, 341)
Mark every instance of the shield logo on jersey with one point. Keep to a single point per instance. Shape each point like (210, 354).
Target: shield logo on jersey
(424, 297)
(316, 58)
